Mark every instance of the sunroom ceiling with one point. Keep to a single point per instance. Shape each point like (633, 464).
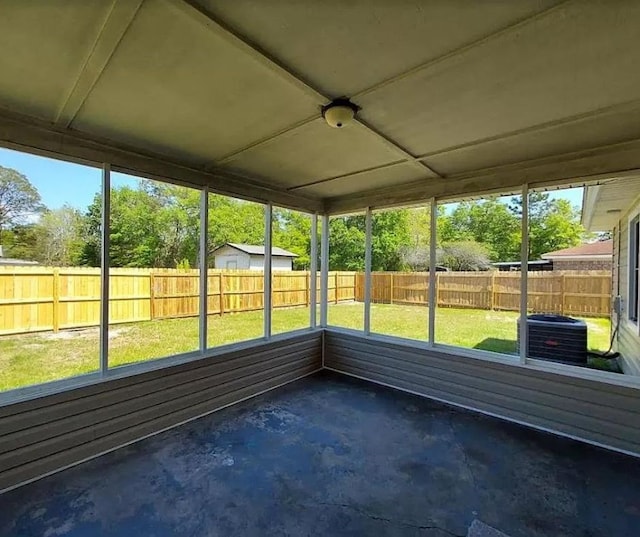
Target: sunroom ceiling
(456, 97)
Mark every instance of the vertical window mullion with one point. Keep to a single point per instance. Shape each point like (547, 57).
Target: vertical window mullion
(267, 270)
(104, 268)
(324, 271)
(524, 274)
(313, 272)
(433, 227)
(204, 266)
(367, 272)
(634, 266)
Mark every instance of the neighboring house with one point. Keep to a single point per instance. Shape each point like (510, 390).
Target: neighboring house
(9, 261)
(616, 207)
(507, 266)
(590, 256)
(249, 257)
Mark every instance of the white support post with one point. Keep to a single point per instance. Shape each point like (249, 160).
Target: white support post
(367, 272)
(204, 266)
(104, 266)
(524, 274)
(324, 271)
(313, 272)
(268, 210)
(433, 232)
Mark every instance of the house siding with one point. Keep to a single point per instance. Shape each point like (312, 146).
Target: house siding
(628, 337)
(227, 254)
(43, 435)
(594, 411)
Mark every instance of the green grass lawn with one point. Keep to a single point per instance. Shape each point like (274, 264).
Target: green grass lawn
(36, 358)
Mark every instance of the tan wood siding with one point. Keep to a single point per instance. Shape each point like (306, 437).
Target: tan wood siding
(586, 409)
(51, 432)
(628, 339)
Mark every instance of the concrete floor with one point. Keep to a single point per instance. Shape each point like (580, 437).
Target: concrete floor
(334, 456)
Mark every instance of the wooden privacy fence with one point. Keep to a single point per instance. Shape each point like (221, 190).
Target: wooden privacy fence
(36, 299)
(566, 293)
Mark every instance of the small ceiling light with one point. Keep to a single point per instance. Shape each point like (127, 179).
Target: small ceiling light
(339, 112)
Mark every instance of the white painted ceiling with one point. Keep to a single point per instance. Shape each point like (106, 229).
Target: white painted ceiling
(456, 96)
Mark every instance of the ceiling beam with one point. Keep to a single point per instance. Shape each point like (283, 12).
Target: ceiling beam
(424, 66)
(578, 167)
(241, 42)
(230, 156)
(197, 13)
(113, 29)
(24, 133)
(349, 175)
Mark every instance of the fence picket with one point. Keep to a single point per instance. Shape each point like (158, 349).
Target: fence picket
(36, 299)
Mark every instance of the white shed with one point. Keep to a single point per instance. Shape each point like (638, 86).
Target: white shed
(250, 257)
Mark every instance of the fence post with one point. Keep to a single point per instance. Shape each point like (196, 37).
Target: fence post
(335, 285)
(437, 288)
(308, 289)
(492, 302)
(563, 296)
(221, 285)
(391, 286)
(56, 299)
(152, 300)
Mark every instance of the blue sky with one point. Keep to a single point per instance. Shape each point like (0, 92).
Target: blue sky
(61, 182)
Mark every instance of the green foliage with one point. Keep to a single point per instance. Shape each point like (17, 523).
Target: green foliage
(346, 243)
(183, 265)
(554, 224)
(389, 234)
(232, 220)
(292, 231)
(20, 242)
(157, 225)
(489, 222)
(60, 237)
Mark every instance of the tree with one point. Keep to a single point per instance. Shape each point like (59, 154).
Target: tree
(465, 255)
(292, 231)
(390, 235)
(60, 237)
(346, 243)
(554, 224)
(21, 241)
(233, 220)
(18, 198)
(489, 222)
(135, 238)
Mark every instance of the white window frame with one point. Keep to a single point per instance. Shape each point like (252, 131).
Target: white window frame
(104, 372)
(633, 268)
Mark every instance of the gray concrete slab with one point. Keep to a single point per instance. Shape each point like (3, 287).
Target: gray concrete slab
(329, 455)
(480, 529)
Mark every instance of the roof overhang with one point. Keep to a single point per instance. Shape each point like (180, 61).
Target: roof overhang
(604, 205)
(457, 99)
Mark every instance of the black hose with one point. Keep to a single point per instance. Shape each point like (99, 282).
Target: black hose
(608, 355)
